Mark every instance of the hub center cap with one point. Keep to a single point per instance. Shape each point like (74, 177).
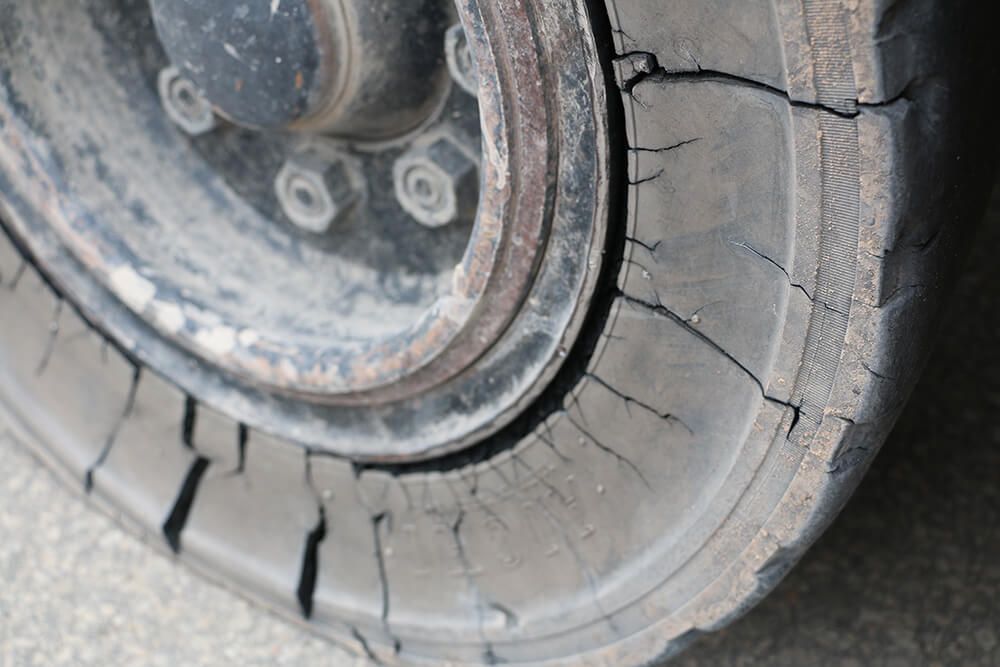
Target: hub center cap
(331, 66)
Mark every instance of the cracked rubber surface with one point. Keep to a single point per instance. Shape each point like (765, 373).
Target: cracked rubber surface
(794, 208)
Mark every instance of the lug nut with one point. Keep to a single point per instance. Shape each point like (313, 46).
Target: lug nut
(437, 181)
(317, 188)
(184, 103)
(461, 64)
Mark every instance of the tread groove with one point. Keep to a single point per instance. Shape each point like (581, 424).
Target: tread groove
(174, 524)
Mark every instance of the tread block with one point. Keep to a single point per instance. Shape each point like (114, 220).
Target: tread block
(147, 463)
(218, 438)
(714, 210)
(254, 523)
(51, 356)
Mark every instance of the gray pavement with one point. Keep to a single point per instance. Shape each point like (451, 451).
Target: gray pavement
(909, 575)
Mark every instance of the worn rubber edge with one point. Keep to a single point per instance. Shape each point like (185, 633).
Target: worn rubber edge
(907, 262)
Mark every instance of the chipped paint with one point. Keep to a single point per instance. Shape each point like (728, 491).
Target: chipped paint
(137, 292)
(169, 316)
(217, 340)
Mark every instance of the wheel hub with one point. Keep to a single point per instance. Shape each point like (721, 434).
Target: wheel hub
(329, 66)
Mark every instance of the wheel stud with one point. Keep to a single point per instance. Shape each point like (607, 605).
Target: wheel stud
(317, 188)
(437, 181)
(460, 61)
(185, 104)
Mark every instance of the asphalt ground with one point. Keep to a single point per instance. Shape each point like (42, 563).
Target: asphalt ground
(908, 576)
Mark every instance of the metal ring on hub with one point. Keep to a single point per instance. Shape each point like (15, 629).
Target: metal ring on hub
(379, 341)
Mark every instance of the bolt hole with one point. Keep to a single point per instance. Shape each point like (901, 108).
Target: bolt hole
(424, 190)
(186, 98)
(305, 197)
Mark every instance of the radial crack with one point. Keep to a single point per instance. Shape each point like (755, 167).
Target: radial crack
(549, 442)
(700, 74)
(639, 265)
(645, 66)
(651, 249)
(18, 274)
(877, 374)
(792, 283)
(379, 520)
(534, 474)
(489, 655)
(365, 648)
(661, 310)
(646, 179)
(608, 450)
(665, 149)
(581, 563)
(474, 494)
(50, 343)
(749, 248)
(621, 32)
(109, 442)
(630, 400)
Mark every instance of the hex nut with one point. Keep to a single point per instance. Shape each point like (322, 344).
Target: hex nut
(317, 189)
(184, 103)
(437, 182)
(461, 64)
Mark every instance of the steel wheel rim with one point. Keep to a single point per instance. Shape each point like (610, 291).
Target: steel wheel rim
(402, 420)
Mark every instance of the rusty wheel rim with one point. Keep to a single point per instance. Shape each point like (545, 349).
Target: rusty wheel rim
(482, 351)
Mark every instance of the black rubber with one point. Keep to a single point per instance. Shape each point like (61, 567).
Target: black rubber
(799, 178)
